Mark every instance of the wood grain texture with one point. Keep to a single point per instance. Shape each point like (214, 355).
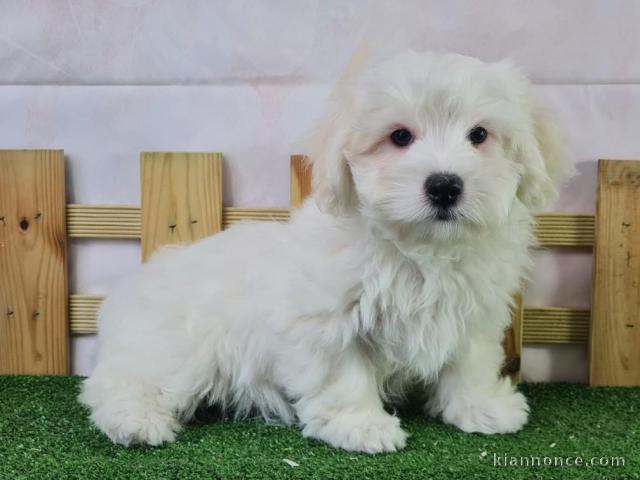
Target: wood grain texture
(34, 333)
(615, 321)
(233, 215)
(181, 198)
(83, 312)
(555, 325)
(565, 230)
(300, 179)
(103, 221)
(124, 221)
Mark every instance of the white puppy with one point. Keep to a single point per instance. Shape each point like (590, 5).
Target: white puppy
(399, 269)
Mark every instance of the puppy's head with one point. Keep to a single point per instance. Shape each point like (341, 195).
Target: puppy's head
(435, 144)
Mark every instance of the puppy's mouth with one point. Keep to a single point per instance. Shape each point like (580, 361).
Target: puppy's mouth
(445, 215)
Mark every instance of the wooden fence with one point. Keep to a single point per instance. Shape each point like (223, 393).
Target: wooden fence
(182, 202)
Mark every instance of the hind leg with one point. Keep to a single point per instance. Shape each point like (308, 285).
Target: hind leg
(129, 411)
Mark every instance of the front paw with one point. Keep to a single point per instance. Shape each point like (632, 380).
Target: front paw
(369, 432)
(502, 410)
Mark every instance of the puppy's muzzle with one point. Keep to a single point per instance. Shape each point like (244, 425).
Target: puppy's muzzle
(443, 190)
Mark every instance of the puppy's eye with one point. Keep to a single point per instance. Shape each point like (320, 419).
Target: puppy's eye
(477, 135)
(401, 137)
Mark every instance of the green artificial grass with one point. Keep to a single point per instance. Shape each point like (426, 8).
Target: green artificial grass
(45, 434)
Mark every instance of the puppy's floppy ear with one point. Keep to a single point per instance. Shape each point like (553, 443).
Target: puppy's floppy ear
(333, 188)
(539, 145)
(544, 159)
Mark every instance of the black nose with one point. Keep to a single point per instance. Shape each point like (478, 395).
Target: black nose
(443, 189)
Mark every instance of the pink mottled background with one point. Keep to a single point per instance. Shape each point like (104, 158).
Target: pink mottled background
(105, 80)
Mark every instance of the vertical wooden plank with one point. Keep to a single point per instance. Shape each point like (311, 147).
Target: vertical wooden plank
(512, 343)
(34, 332)
(181, 198)
(615, 313)
(300, 179)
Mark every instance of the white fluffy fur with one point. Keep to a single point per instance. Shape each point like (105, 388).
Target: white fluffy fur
(321, 320)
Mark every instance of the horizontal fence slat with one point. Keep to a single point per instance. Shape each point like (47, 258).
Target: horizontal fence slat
(83, 309)
(556, 325)
(541, 325)
(103, 221)
(124, 221)
(565, 230)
